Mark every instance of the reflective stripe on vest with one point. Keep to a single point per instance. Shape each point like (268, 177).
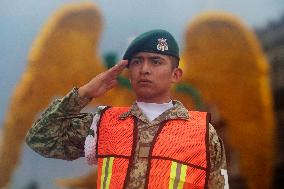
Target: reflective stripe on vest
(106, 172)
(177, 176)
(178, 157)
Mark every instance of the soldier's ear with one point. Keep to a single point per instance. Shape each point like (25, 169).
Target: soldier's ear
(176, 75)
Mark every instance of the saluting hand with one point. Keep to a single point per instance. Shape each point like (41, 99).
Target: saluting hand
(103, 82)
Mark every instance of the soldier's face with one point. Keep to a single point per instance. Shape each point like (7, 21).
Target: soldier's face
(151, 76)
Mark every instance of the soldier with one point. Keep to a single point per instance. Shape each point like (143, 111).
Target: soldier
(155, 143)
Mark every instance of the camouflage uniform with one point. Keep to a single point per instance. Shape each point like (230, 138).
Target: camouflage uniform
(61, 131)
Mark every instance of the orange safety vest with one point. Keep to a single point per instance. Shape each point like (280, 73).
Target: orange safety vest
(178, 158)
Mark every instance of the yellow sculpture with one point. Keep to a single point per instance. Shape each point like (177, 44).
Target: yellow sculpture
(64, 55)
(88, 181)
(1, 140)
(226, 63)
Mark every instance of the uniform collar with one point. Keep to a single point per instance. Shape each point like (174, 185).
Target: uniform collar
(178, 111)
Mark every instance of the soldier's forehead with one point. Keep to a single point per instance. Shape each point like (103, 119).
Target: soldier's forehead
(149, 55)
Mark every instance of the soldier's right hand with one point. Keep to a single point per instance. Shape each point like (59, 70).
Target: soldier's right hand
(102, 82)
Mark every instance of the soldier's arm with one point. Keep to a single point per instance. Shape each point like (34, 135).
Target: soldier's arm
(218, 178)
(61, 130)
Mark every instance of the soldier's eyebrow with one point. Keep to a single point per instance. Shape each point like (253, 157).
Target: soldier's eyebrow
(140, 57)
(157, 57)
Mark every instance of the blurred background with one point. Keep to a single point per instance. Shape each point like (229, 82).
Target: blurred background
(232, 54)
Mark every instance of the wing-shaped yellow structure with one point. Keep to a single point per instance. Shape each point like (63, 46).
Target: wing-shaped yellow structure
(88, 181)
(64, 55)
(225, 62)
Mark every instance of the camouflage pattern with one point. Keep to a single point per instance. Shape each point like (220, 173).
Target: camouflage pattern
(217, 160)
(61, 131)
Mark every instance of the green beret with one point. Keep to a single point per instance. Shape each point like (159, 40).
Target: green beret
(154, 41)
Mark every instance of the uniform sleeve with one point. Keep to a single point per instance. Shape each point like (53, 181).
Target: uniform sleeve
(61, 130)
(218, 178)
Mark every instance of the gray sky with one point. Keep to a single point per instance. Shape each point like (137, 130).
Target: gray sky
(20, 22)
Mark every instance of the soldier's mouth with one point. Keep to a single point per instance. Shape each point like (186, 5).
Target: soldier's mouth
(144, 81)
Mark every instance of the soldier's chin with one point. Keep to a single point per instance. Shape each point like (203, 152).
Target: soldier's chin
(145, 94)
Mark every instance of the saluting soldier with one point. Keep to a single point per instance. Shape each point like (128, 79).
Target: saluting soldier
(155, 143)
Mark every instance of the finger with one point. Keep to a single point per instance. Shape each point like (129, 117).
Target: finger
(111, 84)
(119, 67)
(115, 71)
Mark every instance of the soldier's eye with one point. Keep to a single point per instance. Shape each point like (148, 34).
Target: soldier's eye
(156, 62)
(135, 62)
